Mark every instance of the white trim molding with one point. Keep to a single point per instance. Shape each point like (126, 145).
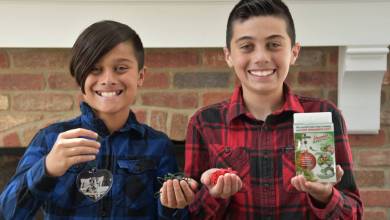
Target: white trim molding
(187, 23)
(361, 71)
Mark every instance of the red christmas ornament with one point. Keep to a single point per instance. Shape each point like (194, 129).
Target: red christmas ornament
(214, 176)
(307, 160)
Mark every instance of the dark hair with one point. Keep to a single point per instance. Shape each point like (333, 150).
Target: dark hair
(246, 9)
(97, 40)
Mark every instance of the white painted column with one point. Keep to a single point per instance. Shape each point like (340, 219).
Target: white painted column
(361, 71)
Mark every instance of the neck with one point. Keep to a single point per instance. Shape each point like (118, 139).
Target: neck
(116, 121)
(262, 105)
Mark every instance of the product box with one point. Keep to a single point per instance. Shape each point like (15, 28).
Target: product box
(315, 146)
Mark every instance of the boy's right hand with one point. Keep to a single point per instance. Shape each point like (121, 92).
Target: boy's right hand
(70, 149)
(226, 186)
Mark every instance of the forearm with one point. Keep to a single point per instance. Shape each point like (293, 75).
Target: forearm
(342, 205)
(25, 193)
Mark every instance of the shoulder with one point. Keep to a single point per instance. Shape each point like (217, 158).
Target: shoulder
(311, 104)
(215, 113)
(153, 134)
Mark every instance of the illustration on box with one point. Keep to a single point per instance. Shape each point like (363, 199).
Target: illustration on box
(314, 156)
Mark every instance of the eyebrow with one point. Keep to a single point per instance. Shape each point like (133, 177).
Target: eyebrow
(251, 38)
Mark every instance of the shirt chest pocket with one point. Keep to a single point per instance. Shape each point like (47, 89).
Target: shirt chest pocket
(236, 158)
(134, 182)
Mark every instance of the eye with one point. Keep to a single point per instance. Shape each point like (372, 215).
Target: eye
(121, 69)
(95, 70)
(274, 45)
(246, 47)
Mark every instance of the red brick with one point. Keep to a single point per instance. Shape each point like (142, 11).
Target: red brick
(316, 93)
(140, 114)
(332, 96)
(4, 61)
(318, 79)
(42, 102)
(40, 58)
(178, 127)
(374, 215)
(202, 80)
(28, 135)
(374, 158)
(214, 97)
(4, 103)
(22, 82)
(311, 57)
(171, 57)
(214, 58)
(385, 117)
(8, 121)
(372, 198)
(368, 140)
(158, 120)
(370, 178)
(62, 81)
(156, 80)
(386, 78)
(11, 140)
(333, 56)
(171, 99)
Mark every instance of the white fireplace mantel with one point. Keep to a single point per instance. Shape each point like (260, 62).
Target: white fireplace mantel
(356, 26)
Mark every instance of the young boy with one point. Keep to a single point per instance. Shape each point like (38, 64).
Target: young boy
(104, 163)
(252, 133)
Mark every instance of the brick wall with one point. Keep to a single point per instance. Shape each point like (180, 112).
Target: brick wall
(36, 90)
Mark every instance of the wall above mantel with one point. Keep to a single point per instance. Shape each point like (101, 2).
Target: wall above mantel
(187, 23)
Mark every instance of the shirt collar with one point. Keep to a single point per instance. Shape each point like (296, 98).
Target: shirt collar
(92, 122)
(237, 106)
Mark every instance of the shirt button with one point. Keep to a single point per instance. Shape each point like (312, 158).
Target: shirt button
(227, 150)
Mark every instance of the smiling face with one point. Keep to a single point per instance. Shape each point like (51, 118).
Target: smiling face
(111, 86)
(261, 54)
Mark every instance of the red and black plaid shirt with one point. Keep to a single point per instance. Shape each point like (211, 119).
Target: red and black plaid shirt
(262, 152)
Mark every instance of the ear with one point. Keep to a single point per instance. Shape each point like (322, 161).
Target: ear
(141, 77)
(295, 52)
(228, 57)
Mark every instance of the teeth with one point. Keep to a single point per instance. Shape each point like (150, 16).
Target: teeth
(108, 94)
(261, 72)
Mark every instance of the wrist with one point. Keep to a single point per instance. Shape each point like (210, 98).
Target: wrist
(325, 197)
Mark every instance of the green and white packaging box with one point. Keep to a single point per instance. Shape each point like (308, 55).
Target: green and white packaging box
(315, 146)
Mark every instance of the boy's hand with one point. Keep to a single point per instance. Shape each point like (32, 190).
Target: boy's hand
(322, 192)
(70, 149)
(177, 194)
(227, 184)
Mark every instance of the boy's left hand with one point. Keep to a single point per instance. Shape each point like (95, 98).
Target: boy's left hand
(177, 194)
(322, 192)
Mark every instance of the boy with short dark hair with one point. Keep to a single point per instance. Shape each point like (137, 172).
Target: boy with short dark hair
(103, 164)
(252, 133)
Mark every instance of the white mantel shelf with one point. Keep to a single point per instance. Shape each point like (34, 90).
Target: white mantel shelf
(360, 28)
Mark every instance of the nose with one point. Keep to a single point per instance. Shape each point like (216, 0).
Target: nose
(107, 78)
(262, 55)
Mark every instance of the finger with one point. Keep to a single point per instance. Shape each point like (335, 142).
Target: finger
(78, 132)
(170, 194)
(205, 178)
(217, 189)
(193, 184)
(339, 173)
(179, 197)
(235, 182)
(80, 159)
(82, 150)
(80, 142)
(188, 193)
(163, 195)
(227, 186)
